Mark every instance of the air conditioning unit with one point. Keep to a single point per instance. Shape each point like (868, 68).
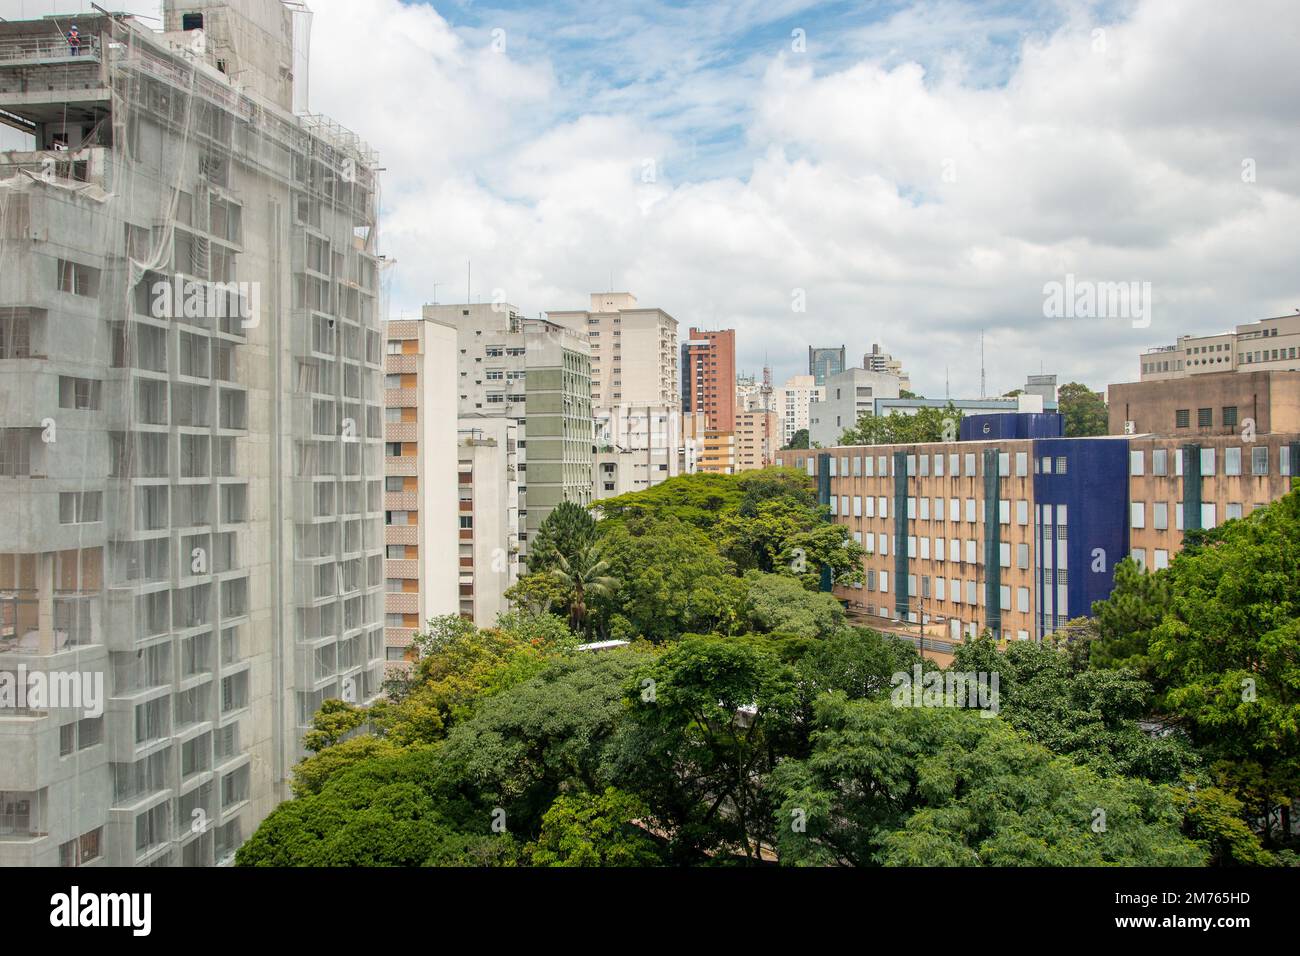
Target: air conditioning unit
(1130, 428)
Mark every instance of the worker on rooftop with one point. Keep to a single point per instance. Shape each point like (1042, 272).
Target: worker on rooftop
(74, 41)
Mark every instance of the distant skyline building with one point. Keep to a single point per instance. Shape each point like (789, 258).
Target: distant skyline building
(1264, 345)
(825, 362)
(537, 373)
(635, 398)
(850, 395)
(708, 370)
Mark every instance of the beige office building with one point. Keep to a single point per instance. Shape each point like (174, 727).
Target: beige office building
(1265, 345)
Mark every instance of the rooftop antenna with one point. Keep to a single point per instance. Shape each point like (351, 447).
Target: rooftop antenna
(947, 393)
(983, 387)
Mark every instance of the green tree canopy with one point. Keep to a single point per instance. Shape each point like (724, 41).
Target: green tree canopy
(1084, 410)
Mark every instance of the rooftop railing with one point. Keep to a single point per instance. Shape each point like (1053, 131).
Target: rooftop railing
(46, 49)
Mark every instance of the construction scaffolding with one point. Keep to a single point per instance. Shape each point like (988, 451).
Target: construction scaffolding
(191, 309)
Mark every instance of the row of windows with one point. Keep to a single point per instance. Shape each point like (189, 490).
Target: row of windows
(1234, 461)
(1159, 513)
(958, 465)
(922, 508)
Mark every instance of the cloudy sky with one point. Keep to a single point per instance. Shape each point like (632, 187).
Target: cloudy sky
(907, 173)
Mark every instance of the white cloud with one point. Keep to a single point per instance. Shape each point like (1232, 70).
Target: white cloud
(1113, 161)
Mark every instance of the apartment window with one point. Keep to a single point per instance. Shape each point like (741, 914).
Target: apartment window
(1022, 556)
(81, 394)
(1159, 461)
(1022, 464)
(83, 849)
(1182, 418)
(1137, 514)
(1259, 460)
(1204, 417)
(78, 279)
(1139, 556)
(1136, 462)
(1207, 461)
(1230, 416)
(1160, 516)
(1022, 512)
(394, 347)
(80, 507)
(1233, 510)
(1060, 465)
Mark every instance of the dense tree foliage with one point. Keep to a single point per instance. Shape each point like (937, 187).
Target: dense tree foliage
(1084, 410)
(927, 424)
(748, 722)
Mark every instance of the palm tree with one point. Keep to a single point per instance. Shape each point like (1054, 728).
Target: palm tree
(583, 572)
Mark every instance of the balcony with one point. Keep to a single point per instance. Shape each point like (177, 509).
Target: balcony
(70, 619)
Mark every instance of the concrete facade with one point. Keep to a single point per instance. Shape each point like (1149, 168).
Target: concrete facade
(1226, 403)
(537, 373)
(849, 396)
(1265, 345)
(191, 341)
(488, 488)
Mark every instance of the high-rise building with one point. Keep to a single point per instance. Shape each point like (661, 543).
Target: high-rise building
(634, 391)
(792, 400)
(705, 448)
(420, 507)
(848, 396)
(633, 350)
(823, 363)
(1264, 345)
(709, 377)
(758, 438)
(537, 373)
(878, 360)
(488, 488)
(191, 439)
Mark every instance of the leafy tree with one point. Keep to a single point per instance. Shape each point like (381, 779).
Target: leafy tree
(781, 604)
(1084, 410)
(699, 500)
(399, 809)
(708, 720)
(943, 787)
(332, 722)
(312, 773)
(563, 533)
(587, 829)
(859, 662)
(583, 574)
(1138, 602)
(1091, 716)
(671, 578)
(521, 749)
(928, 424)
(539, 592)
(798, 440)
(1227, 652)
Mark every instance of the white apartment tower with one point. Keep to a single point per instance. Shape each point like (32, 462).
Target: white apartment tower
(792, 401)
(635, 397)
(190, 431)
